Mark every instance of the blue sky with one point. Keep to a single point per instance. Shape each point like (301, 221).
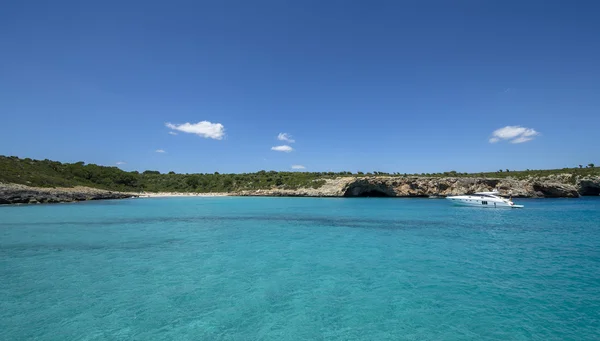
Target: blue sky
(397, 86)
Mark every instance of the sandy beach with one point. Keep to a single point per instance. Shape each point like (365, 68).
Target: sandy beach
(180, 194)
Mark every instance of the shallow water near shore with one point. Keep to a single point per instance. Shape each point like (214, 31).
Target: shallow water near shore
(229, 268)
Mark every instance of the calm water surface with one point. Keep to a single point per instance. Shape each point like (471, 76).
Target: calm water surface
(300, 269)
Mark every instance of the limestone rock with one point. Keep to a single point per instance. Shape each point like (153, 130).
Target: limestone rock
(20, 194)
(553, 186)
(588, 186)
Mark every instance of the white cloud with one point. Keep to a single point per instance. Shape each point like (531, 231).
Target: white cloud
(283, 148)
(285, 137)
(298, 167)
(160, 151)
(514, 134)
(172, 133)
(204, 128)
(521, 139)
(121, 163)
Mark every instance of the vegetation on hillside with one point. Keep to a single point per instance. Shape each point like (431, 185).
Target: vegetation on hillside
(46, 173)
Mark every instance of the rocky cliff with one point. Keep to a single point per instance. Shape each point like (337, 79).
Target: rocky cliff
(19, 194)
(555, 186)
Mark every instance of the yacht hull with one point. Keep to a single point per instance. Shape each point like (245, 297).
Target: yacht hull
(482, 202)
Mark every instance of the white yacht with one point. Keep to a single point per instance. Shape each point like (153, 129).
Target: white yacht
(483, 199)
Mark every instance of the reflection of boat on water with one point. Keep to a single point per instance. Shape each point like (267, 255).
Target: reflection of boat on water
(484, 199)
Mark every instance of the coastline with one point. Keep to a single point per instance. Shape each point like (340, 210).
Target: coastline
(554, 186)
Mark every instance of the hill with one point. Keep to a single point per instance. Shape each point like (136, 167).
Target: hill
(47, 173)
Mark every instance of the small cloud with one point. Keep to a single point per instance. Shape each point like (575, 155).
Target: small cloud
(298, 167)
(205, 129)
(160, 151)
(514, 134)
(507, 90)
(121, 163)
(521, 139)
(285, 137)
(283, 148)
(172, 133)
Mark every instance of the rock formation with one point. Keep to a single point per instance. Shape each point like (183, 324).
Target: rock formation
(20, 194)
(554, 186)
(588, 186)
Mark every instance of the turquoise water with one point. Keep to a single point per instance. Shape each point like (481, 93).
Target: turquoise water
(300, 269)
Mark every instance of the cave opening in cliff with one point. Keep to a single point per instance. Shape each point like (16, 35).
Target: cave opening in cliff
(590, 191)
(373, 194)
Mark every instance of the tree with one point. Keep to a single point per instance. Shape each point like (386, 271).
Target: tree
(507, 170)
(591, 165)
(192, 182)
(227, 183)
(580, 166)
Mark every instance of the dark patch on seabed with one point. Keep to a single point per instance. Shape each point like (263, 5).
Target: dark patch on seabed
(320, 221)
(58, 247)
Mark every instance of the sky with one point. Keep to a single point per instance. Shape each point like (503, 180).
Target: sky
(242, 86)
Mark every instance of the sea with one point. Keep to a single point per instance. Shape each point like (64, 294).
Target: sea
(231, 268)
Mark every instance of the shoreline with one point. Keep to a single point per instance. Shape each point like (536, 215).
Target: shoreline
(180, 194)
(560, 186)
